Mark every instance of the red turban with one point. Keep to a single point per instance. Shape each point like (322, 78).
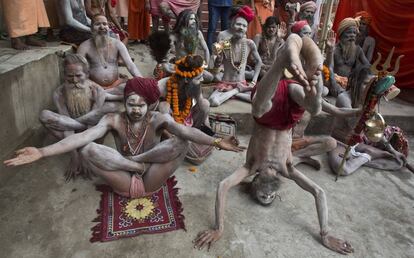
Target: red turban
(245, 12)
(364, 15)
(144, 87)
(298, 26)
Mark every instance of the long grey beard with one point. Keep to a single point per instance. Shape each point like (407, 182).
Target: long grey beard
(78, 101)
(101, 41)
(348, 50)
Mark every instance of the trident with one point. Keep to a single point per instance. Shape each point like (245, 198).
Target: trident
(374, 91)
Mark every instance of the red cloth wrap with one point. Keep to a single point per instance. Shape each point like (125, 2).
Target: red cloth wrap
(364, 15)
(298, 26)
(285, 113)
(113, 3)
(144, 87)
(245, 12)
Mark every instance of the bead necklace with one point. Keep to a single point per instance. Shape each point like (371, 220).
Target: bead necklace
(138, 139)
(243, 56)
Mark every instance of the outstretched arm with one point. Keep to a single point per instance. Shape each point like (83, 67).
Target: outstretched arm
(258, 60)
(206, 238)
(197, 136)
(204, 47)
(123, 52)
(308, 185)
(339, 112)
(70, 143)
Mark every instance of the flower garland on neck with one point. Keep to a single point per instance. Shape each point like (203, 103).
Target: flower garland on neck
(172, 91)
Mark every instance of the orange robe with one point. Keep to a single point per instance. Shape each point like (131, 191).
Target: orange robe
(138, 20)
(24, 17)
(261, 14)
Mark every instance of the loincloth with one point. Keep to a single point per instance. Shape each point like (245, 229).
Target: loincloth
(341, 81)
(136, 189)
(300, 143)
(116, 83)
(224, 86)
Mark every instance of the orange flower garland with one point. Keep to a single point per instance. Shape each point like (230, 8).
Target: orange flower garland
(326, 73)
(172, 95)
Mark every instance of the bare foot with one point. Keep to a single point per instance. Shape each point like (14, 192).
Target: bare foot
(74, 168)
(308, 161)
(31, 40)
(17, 43)
(289, 56)
(206, 238)
(337, 245)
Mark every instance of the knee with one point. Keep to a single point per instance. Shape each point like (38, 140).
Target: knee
(213, 102)
(319, 193)
(330, 144)
(45, 116)
(204, 105)
(88, 151)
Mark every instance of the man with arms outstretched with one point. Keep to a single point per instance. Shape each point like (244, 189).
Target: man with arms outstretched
(141, 164)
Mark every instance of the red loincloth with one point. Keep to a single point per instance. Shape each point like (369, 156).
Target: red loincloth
(285, 113)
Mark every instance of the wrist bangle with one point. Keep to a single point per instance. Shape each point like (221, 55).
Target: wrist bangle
(216, 143)
(253, 82)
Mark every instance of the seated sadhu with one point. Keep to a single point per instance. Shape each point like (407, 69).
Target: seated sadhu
(102, 53)
(80, 104)
(141, 164)
(234, 48)
(185, 102)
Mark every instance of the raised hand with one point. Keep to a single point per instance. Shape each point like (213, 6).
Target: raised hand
(281, 30)
(24, 156)
(206, 238)
(331, 39)
(230, 144)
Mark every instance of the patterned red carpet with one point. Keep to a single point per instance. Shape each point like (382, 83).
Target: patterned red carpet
(121, 217)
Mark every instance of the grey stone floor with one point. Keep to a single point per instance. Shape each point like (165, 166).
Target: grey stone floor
(42, 216)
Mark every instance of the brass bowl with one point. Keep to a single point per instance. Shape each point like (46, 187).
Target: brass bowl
(374, 127)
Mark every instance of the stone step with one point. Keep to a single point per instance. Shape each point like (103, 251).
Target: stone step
(397, 112)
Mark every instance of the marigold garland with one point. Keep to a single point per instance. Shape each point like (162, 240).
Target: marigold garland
(186, 74)
(172, 96)
(326, 73)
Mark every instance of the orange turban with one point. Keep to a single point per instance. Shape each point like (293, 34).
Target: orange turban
(144, 87)
(364, 16)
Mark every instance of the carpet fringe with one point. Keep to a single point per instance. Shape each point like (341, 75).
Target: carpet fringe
(96, 230)
(172, 181)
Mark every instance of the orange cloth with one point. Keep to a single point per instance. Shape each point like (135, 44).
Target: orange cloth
(392, 25)
(261, 14)
(24, 17)
(138, 20)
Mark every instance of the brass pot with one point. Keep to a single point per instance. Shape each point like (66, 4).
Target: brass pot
(219, 47)
(374, 127)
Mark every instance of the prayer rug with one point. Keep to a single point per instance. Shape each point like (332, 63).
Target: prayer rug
(121, 217)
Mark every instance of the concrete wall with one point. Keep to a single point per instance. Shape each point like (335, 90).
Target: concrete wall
(25, 91)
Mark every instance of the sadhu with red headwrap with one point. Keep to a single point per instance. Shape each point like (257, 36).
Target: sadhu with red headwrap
(137, 132)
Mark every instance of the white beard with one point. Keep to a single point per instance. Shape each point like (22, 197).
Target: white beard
(101, 41)
(78, 101)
